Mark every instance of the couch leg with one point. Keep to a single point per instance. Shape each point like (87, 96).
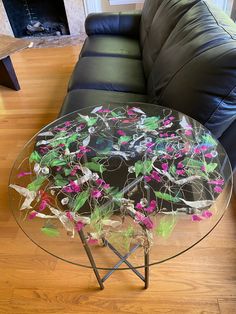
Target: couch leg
(7, 74)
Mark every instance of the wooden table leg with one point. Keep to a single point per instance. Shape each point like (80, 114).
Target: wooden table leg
(7, 74)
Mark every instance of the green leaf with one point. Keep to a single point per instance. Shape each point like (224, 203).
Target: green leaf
(34, 157)
(72, 139)
(151, 123)
(147, 166)
(80, 200)
(123, 139)
(210, 167)
(92, 121)
(57, 162)
(51, 232)
(208, 139)
(67, 171)
(172, 170)
(36, 184)
(166, 226)
(60, 181)
(50, 156)
(138, 167)
(167, 197)
(189, 162)
(94, 166)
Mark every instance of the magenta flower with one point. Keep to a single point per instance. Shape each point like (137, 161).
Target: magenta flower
(147, 178)
(23, 174)
(156, 176)
(197, 150)
(169, 149)
(100, 181)
(203, 148)
(150, 145)
(72, 188)
(171, 118)
(206, 214)
(167, 122)
(121, 133)
(32, 215)
(69, 216)
(151, 207)
(196, 218)
(217, 182)
(180, 172)
(74, 171)
(208, 155)
(79, 225)
(92, 241)
(130, 112)
(139, 206)
(146, 221)
(67, 123)
(203, 168)
(96, 193)
(165, 167)
(43, 205)
(180, 165)
(218, 189)
(188, 132)
(84, 149)
(106, 186)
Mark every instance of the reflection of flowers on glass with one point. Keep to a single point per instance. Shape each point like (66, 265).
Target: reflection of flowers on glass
(119, 171)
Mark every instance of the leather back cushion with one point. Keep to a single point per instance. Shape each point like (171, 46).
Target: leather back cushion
(189, 57)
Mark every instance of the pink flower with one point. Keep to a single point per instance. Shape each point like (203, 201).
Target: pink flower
(171, 118)
(151, 207)
(79, 225)
(74, 171)
(165, 167)
(121, 133)
(146, 221)
(203, 148)
(218, 189)
(147, 178)
(169, 149)
(217, 182)
(188, 132)
(92, 241)
(172, 135)
(150, 145)
(84, 149)
(167, 122)
(130, 112)
(197, 150)
(206, 214)
(79, 155)
(180, 172)
(208, 155)
(180, 165)
(156, 176)
(139, 206)
(32, 215)
(43, 205)
(96, 193)
(69, 216)
(100, 181)
(203, 168)
(67, 123)
(106, 186)
(196, 218)
(72, 188)
(23, 174)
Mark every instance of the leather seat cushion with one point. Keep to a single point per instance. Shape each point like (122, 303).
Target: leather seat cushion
(111, 46)
(108, 73)
(81, 98)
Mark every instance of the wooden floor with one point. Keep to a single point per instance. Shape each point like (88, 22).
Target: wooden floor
(203, 280)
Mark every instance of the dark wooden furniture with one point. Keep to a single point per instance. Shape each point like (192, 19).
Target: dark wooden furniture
(9, 45)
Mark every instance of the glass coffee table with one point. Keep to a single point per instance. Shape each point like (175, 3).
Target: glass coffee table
(120, 186)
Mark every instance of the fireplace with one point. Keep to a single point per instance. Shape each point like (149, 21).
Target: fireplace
(37, 17)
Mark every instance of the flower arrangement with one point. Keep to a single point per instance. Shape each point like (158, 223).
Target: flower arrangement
(110, 171)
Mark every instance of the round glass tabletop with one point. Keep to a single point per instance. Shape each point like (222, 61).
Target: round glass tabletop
(121, 178)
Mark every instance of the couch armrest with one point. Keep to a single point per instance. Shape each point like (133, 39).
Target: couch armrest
(122, 23)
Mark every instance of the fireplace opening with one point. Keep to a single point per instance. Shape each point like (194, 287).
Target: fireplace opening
(37, 17)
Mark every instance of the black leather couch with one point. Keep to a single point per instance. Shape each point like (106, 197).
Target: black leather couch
(177, 53)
